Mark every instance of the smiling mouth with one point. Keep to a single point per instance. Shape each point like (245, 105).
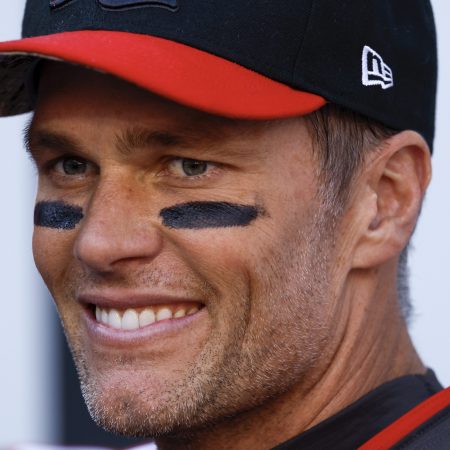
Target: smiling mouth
(134, 318)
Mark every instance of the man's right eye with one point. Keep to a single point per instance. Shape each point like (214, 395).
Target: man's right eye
(67, 170)
(69, 166)
(72, 166)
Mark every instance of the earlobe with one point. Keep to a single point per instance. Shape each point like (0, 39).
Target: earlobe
(397, 178)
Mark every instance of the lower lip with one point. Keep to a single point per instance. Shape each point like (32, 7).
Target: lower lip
(104, 335)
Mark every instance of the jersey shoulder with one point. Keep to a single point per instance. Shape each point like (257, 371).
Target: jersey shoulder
(433, 434)
(425, 427)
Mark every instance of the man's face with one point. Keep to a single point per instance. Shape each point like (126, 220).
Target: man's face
(209, 228)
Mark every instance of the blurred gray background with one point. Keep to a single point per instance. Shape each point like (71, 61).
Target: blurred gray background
(40, 396)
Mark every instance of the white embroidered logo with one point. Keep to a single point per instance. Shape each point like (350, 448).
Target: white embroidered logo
(374, 70)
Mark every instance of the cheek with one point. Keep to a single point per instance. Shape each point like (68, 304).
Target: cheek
(217, 254)
(52, 251)
(228, 261)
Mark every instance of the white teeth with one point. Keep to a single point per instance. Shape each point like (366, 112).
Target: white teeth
(146, 317)
(98, 313)
(163, 314)
(130, 320)
(114, 319)
(104, 316)
(180, 313)
(192, 311)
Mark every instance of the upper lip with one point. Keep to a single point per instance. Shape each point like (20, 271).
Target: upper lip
(121, 299)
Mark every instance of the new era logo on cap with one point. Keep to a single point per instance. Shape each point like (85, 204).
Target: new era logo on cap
(375, 70)
(122, 4)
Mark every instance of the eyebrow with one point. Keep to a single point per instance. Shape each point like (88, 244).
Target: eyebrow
(43, 139)
(126, 142)
(131, 139)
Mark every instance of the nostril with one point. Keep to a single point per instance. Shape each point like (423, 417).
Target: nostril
(114, 230)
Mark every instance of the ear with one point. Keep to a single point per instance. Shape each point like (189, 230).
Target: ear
(394, 184)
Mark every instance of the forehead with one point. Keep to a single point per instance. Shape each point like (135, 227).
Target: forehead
(93, 110)
(73, 92)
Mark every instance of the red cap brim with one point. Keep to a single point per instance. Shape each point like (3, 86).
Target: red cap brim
(176, 71)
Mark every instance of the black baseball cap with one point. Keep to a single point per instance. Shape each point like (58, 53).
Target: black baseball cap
(250, 59)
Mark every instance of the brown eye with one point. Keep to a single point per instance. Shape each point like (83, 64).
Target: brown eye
(73, 166)
(193, 167)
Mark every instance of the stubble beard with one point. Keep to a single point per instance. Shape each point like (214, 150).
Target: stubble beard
(240, 371)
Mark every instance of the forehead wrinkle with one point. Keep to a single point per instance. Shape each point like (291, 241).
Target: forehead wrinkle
(137, 137)
(209, 134)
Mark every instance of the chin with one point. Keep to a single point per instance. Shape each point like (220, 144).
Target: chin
(130, 412)
(133, 403)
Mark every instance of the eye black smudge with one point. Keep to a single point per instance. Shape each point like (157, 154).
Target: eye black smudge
(57, 215)
(197, 215)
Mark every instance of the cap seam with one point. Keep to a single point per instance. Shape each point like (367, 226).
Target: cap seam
(300, 48)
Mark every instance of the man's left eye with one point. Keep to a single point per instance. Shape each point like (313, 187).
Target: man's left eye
(184, 167)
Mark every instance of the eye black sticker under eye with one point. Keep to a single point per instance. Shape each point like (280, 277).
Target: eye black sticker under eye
(197, 215)
(58, 215)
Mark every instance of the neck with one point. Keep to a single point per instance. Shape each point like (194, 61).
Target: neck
(372, 347)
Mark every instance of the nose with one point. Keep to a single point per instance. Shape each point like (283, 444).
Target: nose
(117, 229)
